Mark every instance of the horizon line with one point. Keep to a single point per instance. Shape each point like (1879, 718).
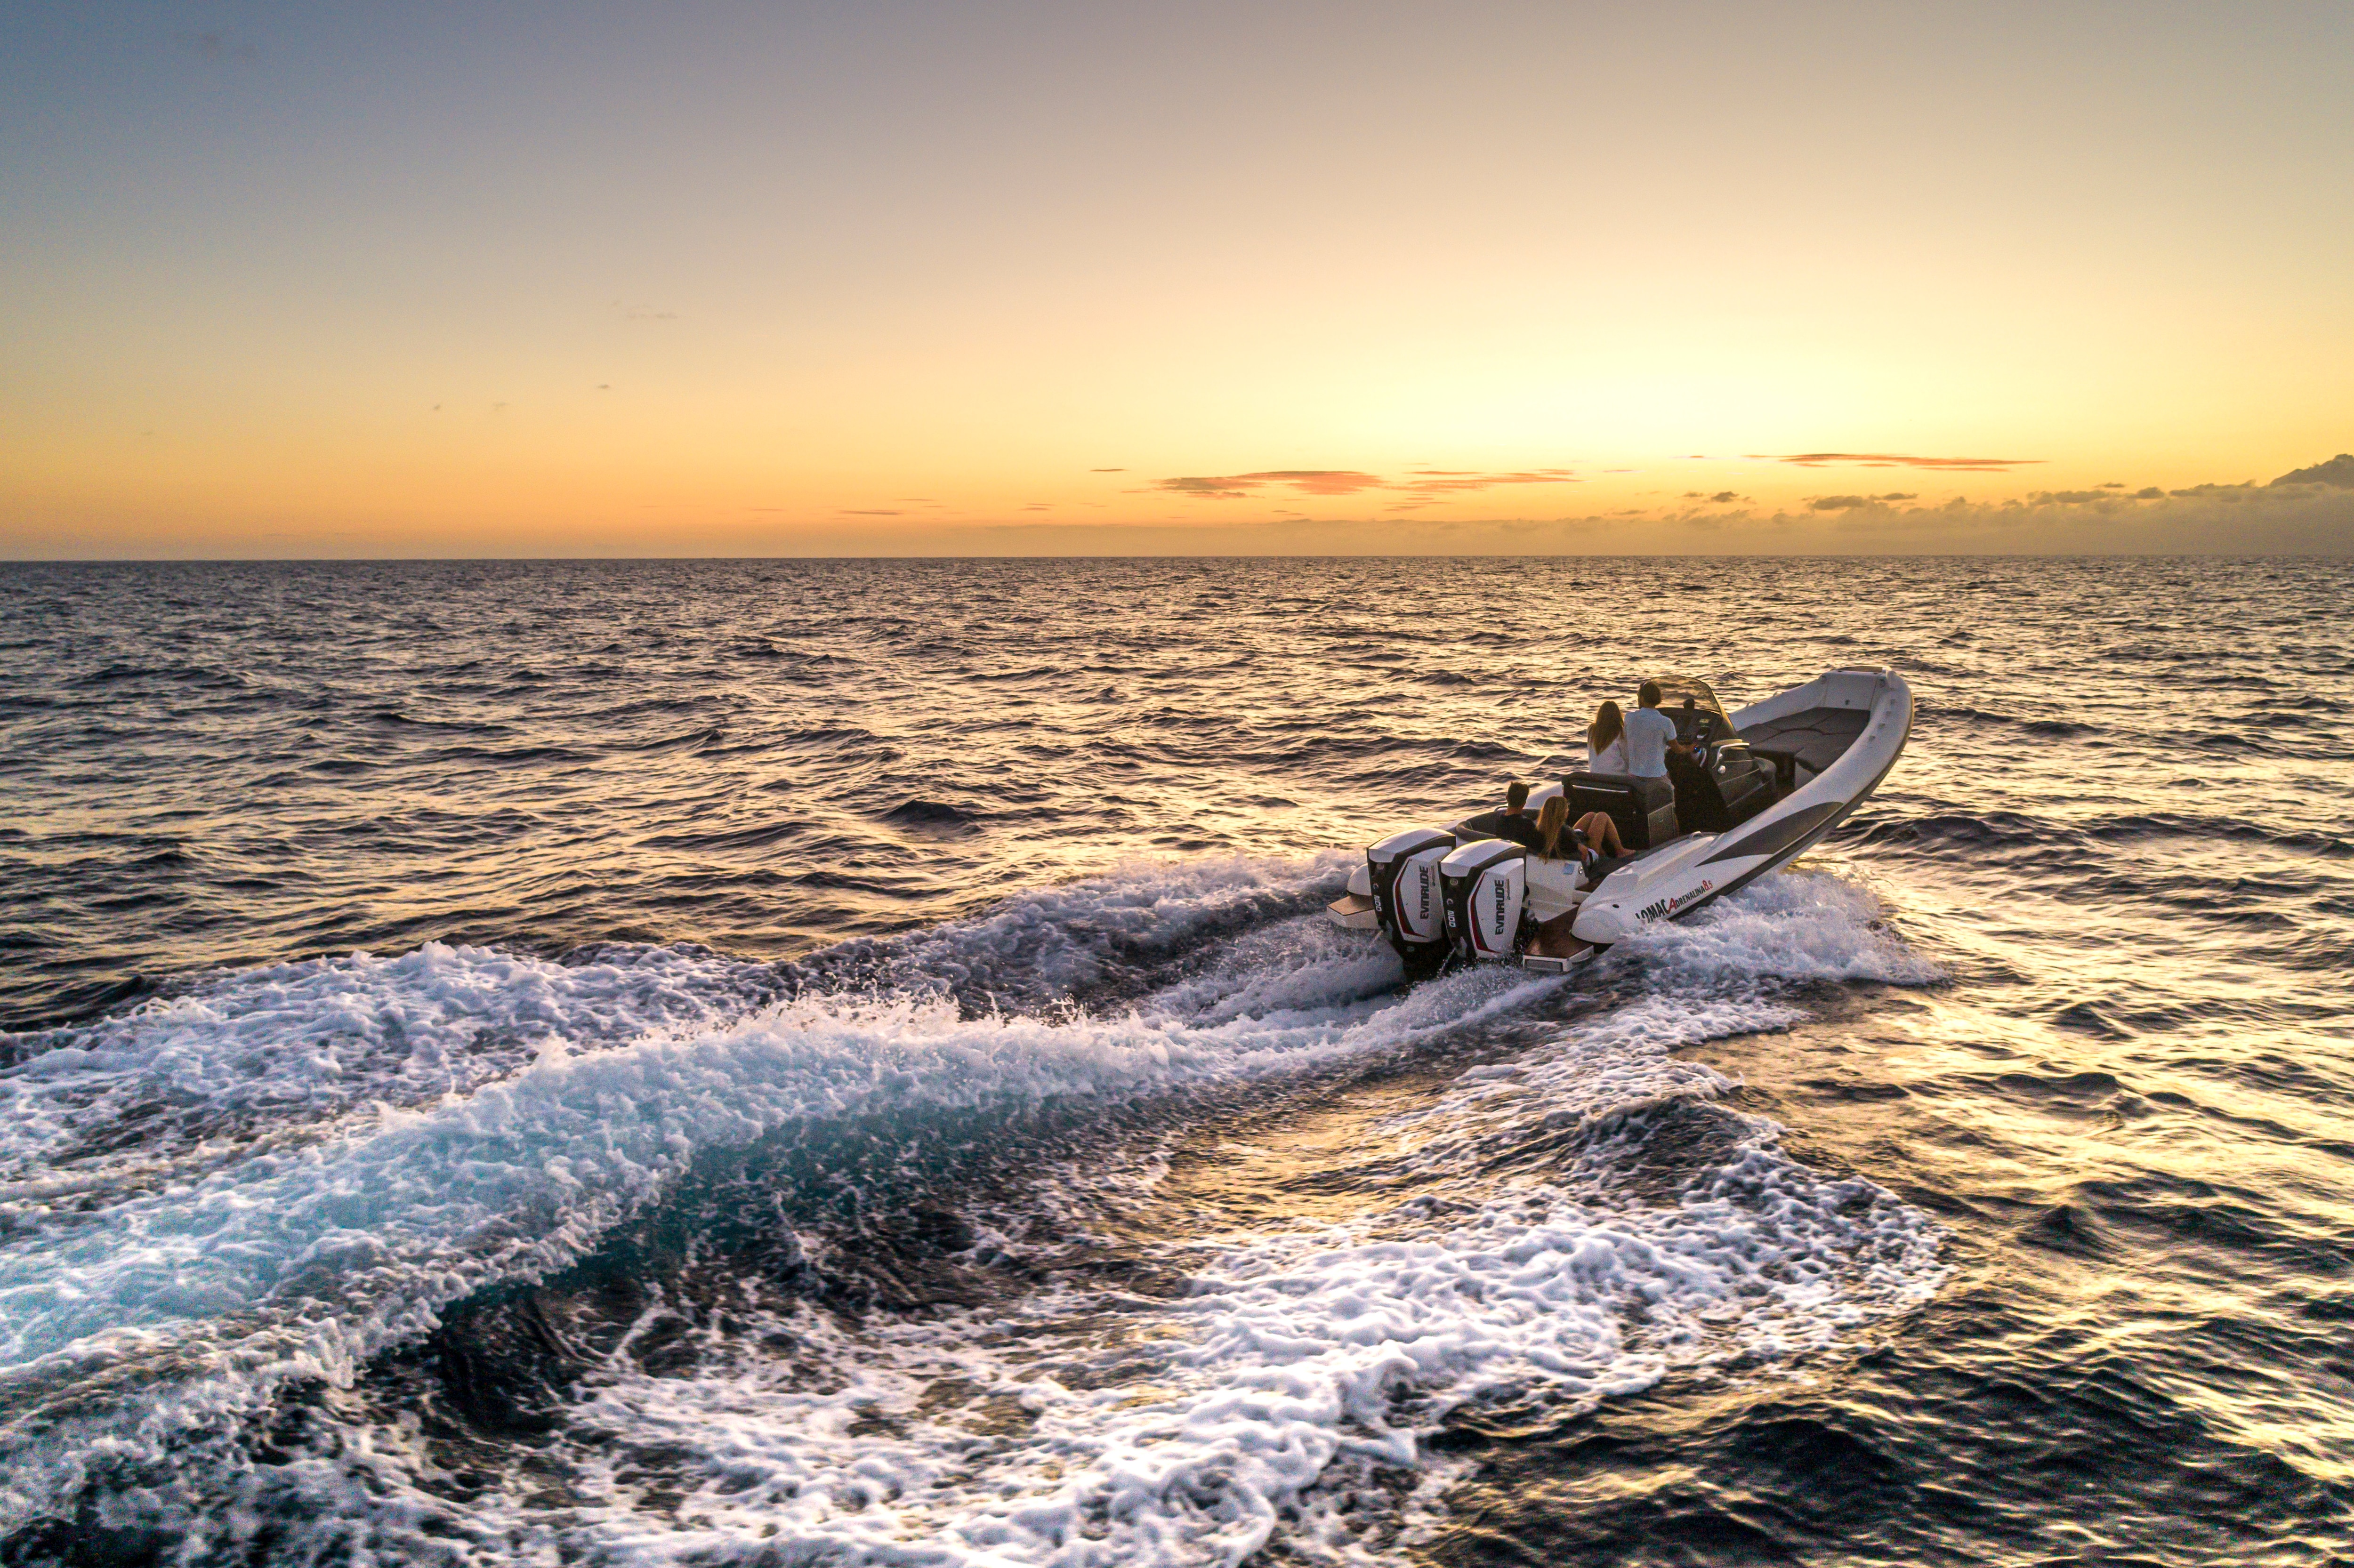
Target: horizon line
(7, 561)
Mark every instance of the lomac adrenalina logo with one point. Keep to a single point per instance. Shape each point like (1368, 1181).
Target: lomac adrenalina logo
(1667, 906)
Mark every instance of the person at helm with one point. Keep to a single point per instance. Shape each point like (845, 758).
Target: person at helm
(1650, 736)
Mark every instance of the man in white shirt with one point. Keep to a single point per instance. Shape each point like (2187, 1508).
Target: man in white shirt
(1651, 734)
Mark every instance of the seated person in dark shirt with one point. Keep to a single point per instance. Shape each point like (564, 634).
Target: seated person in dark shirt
(1514, 824)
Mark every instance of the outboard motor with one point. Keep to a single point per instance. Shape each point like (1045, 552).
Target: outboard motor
(1485, 884)
(1407, 898)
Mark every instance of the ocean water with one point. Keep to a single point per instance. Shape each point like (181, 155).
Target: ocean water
(836, 1062)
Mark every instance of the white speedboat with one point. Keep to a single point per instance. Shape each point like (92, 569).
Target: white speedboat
(1762, 785)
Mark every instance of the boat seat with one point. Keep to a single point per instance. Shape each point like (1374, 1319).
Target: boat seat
(1815, 738)
(1480, 826)
(1644, 809)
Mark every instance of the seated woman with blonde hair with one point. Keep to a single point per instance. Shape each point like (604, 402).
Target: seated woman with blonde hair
(1593, 841)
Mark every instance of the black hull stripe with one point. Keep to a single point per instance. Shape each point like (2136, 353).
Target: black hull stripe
(1776, 835)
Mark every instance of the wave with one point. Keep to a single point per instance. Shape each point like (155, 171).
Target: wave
(759, 835)
(2047, 728)
(293, 1041)
(2002, 830)
(285, 1168)
(934, 816)
(369, 1142)
(1797, 926)
(1218, 1390)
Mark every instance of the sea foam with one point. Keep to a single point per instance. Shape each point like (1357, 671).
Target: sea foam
(1294, 1362)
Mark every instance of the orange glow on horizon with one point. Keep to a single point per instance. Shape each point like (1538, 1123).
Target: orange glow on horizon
(837, 290)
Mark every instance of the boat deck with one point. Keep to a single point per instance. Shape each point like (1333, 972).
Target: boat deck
(1553, 949)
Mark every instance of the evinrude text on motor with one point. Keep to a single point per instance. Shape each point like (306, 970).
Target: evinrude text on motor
(1407, 902)
(1485, 882)
(1753, 791)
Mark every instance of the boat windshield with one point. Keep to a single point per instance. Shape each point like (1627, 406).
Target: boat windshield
(1675, 691)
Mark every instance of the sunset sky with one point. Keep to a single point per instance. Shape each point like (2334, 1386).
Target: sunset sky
(890, 277)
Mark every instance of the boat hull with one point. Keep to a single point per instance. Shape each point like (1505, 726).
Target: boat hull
(1694, 871)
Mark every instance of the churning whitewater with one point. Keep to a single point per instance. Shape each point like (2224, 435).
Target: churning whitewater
(241, 1197)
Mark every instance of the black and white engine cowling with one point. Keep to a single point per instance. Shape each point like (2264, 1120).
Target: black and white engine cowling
(1409, 898)
(1486, 887)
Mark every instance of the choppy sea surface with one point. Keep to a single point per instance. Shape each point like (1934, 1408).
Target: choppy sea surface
(796, 1063)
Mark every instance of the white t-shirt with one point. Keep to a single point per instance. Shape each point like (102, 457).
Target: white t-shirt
(1611, 758)
(1648, 733)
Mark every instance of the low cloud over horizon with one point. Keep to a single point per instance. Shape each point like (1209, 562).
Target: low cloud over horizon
(2292, 516)
(1422, 482)
(1891, 459)
(2308, 511)
(2305, 511)
(2338, 472)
